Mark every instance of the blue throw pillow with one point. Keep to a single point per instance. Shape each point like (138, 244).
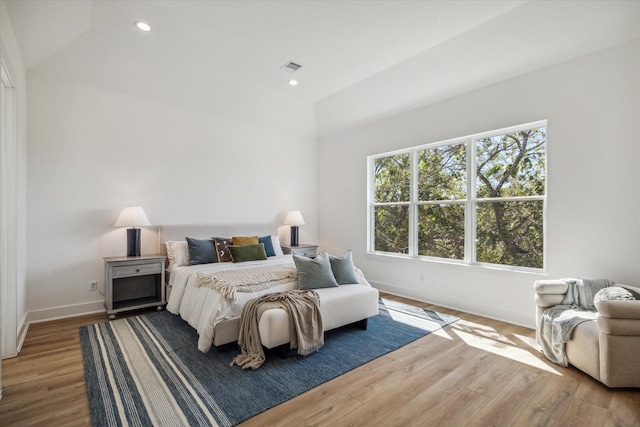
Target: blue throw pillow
(268, 245)
(314, 273)
(201, 251)
(343, 269)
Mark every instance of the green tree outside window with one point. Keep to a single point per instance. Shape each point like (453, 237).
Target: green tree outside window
(506, 199)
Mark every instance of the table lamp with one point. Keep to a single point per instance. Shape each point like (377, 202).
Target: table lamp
(294, 219)
(132, 217)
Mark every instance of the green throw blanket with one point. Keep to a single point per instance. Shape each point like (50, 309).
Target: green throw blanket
(306, 331)
(558, 322)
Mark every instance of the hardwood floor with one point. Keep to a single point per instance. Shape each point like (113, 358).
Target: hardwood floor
(476, 372)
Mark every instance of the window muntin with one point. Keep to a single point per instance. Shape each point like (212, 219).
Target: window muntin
(479, 199)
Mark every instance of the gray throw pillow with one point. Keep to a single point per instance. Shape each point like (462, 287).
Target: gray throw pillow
(201, 251)
(314, 273)
(343, 269)
(612, 293)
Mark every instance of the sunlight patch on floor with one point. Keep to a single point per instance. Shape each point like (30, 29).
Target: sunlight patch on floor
(483, 331)
(413, 319)
(531, 342)
(443, 334)
(488, 339)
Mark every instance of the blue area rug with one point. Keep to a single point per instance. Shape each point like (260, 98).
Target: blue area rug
(147, 370)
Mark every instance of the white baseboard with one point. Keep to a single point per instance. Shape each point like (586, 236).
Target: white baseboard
(24, 327)
(492, 312)
(22, 333)
(37, 316)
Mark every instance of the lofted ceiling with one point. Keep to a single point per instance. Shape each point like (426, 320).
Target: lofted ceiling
(212, 46)
(338, 42)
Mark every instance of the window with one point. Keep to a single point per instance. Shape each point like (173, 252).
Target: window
(478, 199)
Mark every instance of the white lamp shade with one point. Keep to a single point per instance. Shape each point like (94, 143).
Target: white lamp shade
(132, 217)
(294, 218)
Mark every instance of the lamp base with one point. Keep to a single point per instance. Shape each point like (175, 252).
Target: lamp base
(133, 242)
(294, 235)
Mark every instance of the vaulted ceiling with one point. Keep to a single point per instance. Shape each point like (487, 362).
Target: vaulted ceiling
(213, 45)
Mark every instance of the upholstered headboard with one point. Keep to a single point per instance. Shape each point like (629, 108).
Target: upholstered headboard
(179, 232)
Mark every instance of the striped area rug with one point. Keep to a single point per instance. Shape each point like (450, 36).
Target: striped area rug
(147, 370)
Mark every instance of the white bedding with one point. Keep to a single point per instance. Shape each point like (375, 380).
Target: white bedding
(202, 307)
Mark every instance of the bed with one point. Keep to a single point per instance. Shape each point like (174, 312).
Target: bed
(215, 317)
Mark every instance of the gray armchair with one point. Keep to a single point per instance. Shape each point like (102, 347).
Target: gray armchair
(607, 348)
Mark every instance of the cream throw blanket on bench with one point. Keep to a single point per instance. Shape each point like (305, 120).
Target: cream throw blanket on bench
(253, 279)
(306, 330)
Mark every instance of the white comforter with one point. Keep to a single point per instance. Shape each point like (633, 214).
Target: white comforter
(202, 307)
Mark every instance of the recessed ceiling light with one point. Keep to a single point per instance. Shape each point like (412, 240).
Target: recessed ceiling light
(293, 82)
(143, 26)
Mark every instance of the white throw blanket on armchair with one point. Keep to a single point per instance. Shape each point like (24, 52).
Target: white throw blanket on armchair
(558, 322)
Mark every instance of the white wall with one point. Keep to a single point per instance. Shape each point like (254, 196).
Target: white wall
(106, 134)
(10, 53)
(93, 151)
(529, 37)
(593, 218)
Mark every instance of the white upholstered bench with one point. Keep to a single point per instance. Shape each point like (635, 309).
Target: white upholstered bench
(339, 306)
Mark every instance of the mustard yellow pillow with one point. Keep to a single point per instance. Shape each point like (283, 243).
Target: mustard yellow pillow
(244, 240)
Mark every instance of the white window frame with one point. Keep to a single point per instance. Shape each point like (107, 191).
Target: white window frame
(471, 202)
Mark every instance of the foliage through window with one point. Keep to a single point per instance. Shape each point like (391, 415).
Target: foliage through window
(479, 199)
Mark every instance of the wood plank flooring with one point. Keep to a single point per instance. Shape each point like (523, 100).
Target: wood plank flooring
(476, 372)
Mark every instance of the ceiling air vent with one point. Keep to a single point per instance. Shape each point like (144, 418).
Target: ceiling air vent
(291, 66)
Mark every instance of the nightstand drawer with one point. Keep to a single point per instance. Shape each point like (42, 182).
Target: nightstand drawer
(302, 250)
(308, 252)
(136, 270)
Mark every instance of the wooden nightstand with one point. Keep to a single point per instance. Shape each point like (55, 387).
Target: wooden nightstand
(302, 250)
(133, 282)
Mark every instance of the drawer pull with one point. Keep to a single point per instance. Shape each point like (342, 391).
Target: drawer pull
(137, 270)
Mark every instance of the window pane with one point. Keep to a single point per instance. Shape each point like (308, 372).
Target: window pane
(510, 233)
(442, 173)
(392, 179)
(441, 231)
(511, 165)
(392, 229)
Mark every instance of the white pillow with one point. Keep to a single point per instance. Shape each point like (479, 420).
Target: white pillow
(275, 241)
(177, 253)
